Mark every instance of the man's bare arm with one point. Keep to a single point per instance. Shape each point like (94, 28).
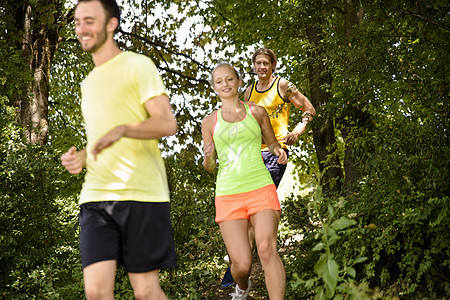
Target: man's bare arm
(161, 123)
(300, 101)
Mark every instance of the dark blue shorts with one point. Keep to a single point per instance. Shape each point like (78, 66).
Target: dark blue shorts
(276, 170)
(138, 235)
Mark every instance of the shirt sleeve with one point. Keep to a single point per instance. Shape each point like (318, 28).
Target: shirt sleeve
(148, 81)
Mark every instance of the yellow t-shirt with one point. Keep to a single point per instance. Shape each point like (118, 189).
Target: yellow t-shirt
(276, 107)
(113, 94)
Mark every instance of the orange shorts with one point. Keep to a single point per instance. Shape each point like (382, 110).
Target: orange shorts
(243, 205)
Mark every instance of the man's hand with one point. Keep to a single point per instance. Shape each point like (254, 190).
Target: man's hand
(73, 161)
(291, 139)
(107, 140)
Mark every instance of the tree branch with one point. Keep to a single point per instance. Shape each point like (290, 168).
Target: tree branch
(182, 75)
(418, 16)
(158, 44)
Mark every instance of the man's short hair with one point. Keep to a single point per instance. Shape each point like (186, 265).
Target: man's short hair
(266, 51)
(111, 8)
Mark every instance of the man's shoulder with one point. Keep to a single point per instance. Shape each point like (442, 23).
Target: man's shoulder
(286, 83)
(130, 55)
(139, 65)
(283, 81)
(250, 86)
(135, 60)
(248, 91)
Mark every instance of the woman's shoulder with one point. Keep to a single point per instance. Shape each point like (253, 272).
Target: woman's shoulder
(256, 109)
(210, 117)
(249, 103)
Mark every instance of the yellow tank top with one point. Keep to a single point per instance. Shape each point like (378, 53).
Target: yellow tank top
(276, 107)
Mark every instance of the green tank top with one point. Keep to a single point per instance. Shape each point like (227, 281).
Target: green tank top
(238, 146)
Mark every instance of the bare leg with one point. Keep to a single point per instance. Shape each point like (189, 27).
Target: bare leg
(235, 236)
(99, 280)
(265, 224)
(146, 285)
(251, 238)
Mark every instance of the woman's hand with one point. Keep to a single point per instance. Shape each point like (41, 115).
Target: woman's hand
(282, 156)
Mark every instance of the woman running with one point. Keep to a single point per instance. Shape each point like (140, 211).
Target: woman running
(245, 192)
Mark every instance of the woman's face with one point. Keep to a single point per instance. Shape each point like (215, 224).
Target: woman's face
(225, 81)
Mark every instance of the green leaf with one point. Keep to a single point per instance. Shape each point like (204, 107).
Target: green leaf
(330, 210)
(320, 293)
(321, 265)
(330, 276)
(331, 232)
(342, 223)
(318, 247)
(351, 272)
(360, 260)
(333, 268)
(332, 240)
(310, 283)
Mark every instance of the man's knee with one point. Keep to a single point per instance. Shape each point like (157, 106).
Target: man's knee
(97, 291)
(146, 285)
(99, 280)
(149, 293)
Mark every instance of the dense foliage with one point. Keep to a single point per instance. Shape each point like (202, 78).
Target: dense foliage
(375, 224)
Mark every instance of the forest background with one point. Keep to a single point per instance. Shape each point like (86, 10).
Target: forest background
(366, 212)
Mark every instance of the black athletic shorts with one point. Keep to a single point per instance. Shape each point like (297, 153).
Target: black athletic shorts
(276, 170)
(138, 235)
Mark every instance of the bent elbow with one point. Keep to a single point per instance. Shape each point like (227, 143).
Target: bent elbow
(171, 128)
(208, 167)
(312, 112)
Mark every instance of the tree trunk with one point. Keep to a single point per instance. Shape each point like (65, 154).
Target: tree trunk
(353, 116)
(323, 125)
(39, 41)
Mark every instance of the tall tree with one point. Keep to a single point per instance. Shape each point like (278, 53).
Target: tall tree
(353, 116)
(323, 127)
(35, 31)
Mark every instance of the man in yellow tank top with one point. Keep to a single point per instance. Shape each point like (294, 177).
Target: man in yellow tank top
(276, 95)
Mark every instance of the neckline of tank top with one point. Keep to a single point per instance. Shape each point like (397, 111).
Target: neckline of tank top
(245, 117)
(271, 85)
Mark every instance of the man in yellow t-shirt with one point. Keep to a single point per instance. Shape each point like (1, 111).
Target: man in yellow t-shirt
(124, 202)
